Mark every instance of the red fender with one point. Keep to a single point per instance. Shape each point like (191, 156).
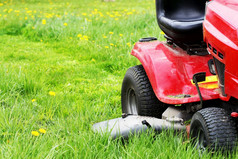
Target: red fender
(170, 71)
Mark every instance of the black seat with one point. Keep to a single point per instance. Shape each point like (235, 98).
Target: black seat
(181, 20)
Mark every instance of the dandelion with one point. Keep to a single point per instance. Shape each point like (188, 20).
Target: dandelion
(128, 44)
(84, 14)
(1, 4)
(162, 33)
(104, 36)
(33, 100)
(41, 130)
(111, 32)
(132, 33)
(65, 24)
(51, 93)
(43, 21)
(26, 18)
(116, 18)
(111, 44)
(10, 10)
(106, 47)
(79, 35)
(89, 20)
(121, 35)
(35, 133)
(93, 60)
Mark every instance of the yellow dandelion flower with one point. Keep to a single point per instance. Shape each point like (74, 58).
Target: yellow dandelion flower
(26, 18)
(93, 60)
(35, 133)
(111, 44)
(33, 100)
(85, 37)
(121, 35)
(65, 24)
(51, 93)
(106, 47)
(41, 130)
(104, 36)
(116, 18)
(111, 32)
(132, 33)
(162, 32)
(79, 35)
(43, 21)
(1, 4)
(84, 14)
(10, 10)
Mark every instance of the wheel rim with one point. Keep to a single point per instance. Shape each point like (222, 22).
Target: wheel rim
(202, 140)
(132, 106)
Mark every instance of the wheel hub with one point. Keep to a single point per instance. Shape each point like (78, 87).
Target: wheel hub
(132, 106)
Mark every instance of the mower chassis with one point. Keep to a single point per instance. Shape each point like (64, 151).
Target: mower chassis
(170, 71)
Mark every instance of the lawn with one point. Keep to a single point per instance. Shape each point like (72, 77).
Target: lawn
(61, 67)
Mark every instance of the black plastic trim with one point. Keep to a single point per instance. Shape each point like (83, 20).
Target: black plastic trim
(148, 39)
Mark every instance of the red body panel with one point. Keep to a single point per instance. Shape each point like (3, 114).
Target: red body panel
(170, 71)
(220, 31)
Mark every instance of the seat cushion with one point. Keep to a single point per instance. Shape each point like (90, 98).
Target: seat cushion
(184, 31)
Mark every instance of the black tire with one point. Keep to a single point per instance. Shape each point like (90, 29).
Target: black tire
(213, 129)
(137, 95)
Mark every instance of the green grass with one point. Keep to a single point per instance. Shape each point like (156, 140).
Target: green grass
(82, 56)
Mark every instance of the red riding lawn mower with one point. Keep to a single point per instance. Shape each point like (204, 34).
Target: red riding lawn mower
(193, 76)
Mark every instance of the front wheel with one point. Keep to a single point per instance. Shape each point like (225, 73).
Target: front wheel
(213, 129)
(137, 95)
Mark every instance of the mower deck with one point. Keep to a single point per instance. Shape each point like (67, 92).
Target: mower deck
(170, 71)
(133, 124)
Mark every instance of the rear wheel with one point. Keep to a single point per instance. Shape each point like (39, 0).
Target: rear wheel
(213, 129)
(137, 95)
